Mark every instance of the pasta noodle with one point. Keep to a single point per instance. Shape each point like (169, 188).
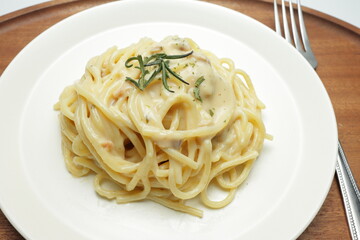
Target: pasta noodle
(167, 142)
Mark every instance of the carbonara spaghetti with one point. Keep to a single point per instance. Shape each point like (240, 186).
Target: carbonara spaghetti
(161, 121)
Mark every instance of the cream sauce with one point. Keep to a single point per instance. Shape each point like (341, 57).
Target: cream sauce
(218, 100)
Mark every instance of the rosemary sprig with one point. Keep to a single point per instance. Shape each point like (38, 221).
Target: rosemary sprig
(161, 62)
(197, 89)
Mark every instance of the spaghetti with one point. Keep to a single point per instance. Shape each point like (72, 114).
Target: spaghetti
(169, 141)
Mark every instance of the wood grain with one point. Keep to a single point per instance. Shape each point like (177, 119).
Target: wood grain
(336, 48)
(33, 8)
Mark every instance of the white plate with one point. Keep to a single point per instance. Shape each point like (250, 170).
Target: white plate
(285, 190)
(345, 10)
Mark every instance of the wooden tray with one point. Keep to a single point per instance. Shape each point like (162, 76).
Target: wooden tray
(336, 46)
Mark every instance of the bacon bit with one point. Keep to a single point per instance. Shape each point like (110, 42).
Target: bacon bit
(116, 94)
(201, 58)
(184, 47)
(156, 49)
(108, 145)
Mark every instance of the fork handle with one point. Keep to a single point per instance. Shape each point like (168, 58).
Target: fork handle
(350, 193)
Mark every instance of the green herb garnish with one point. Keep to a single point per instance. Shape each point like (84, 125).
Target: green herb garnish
(211, 112)
(161, 63)
(197, 89)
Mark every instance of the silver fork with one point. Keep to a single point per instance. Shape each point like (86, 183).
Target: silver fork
(349, 189)
(305, 48)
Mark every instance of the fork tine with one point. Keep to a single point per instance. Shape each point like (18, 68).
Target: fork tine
(285, 22)
(304, 35)
(303, 48)
(277, 21)
(310, 55)
(294, 28)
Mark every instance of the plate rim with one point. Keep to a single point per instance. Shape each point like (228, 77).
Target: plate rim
(199, 4)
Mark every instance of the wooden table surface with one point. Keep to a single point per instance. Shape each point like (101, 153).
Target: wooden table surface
(338, 52)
